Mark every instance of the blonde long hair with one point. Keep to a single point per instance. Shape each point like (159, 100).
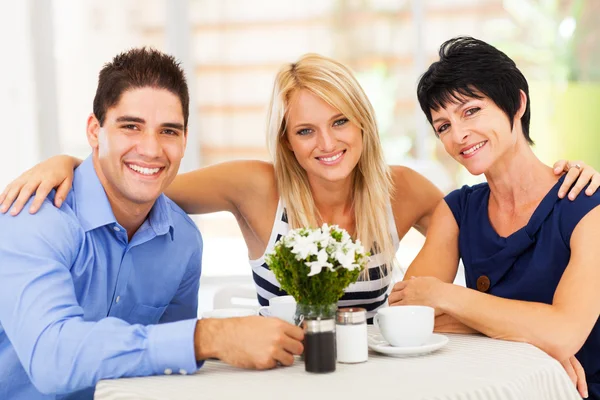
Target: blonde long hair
(335, 84)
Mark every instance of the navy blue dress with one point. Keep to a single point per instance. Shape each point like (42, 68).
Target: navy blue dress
(528, 264)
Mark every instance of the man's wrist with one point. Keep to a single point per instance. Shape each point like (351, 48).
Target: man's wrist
(205, 338)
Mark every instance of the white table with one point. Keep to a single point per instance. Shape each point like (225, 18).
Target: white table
(469, 367)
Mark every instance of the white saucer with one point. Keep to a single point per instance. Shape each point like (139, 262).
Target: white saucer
(265, 312)
(229, 313)
(380, 345)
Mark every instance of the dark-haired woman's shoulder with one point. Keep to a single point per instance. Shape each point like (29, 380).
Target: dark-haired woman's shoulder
(466, 199)
(414, 199)
(571, 212)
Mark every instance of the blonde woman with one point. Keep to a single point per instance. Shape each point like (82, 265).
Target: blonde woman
(328, 168)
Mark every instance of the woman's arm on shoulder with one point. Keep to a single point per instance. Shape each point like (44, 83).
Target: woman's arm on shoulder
(414, 197)
(226, 186)
(55, 172)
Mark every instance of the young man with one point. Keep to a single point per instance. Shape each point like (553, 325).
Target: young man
(107, 285)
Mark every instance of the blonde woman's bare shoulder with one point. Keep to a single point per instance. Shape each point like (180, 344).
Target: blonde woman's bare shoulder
(250, 166)
(406, 178)
(252, 176)
(414, 195)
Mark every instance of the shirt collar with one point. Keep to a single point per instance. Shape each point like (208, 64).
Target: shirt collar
(160, 217)
(91, 203)
(94, 210)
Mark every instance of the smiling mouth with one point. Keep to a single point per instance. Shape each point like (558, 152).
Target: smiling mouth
(144, 171)
(474, 148)
(333, 158)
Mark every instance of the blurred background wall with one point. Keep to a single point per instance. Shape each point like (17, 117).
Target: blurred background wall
(231, 50)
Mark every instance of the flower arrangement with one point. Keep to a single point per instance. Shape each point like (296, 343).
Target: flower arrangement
(316, 265)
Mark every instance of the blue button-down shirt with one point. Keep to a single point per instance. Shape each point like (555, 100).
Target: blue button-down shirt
(79, 302)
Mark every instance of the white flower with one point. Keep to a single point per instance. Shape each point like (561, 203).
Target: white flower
(346, 238)
(317, 266)
(304, 246)
(322, 236)
(346, 257)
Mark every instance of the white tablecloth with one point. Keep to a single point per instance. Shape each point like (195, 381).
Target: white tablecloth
(469, 367)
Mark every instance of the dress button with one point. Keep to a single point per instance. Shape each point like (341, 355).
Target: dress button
(168, 371)
(483, 283)
(183, 372)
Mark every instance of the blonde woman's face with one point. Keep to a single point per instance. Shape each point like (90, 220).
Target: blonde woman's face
(325, 143)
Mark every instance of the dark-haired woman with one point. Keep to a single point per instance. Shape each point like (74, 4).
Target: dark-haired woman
(532, 260)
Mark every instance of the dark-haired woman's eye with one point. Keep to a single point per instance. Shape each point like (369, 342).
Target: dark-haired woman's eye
(472, 111)
(340, 122)
(442, 128)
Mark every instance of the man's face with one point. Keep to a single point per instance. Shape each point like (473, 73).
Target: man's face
(140, 145)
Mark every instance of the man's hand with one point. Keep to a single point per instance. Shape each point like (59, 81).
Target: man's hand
(577, 375)
(249, 342)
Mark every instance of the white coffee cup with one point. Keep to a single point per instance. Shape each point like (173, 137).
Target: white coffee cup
(229, 313)
(282, 307)
(405, 326)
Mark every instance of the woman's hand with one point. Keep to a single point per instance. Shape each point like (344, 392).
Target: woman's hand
(577, 375)
(579, 174)
(422, 291)
(55, 172)
(447, 324)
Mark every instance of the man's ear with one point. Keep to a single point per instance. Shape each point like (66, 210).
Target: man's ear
(93, 130)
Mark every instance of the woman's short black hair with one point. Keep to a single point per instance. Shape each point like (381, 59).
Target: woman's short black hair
(472, 68)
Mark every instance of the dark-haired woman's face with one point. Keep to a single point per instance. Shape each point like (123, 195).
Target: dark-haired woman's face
(475, 132)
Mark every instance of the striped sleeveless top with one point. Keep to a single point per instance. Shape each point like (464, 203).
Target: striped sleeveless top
(370, 294)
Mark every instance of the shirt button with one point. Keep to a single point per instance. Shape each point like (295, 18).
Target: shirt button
(117, 299)
(483, 283)
(168, 371)
(183, 372)
(117, 229)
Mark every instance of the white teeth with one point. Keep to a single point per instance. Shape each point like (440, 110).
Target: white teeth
(142, 170)
(330, 159)
(472, 149)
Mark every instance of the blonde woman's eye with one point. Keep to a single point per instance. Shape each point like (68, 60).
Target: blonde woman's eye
(303, 132)
(340, 122)
(472, 111)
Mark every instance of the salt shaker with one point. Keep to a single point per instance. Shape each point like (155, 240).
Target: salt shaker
(319, 345)
(351, 335)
